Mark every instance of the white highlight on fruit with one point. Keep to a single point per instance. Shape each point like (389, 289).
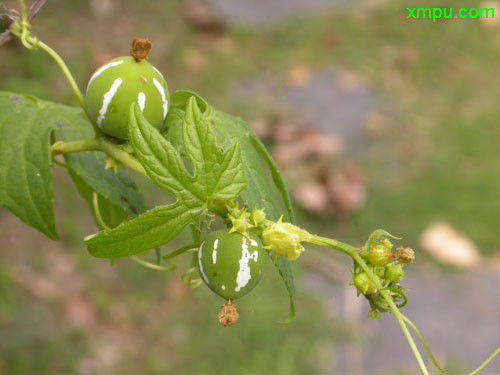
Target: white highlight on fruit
(244, 275)
(157, 71)
(141, 99)
(203, 276)
(102, 69)
(214, 253)
(223, 287)
(107, 99)
(163, 96)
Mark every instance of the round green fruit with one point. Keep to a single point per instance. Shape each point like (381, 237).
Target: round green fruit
(379, 255)
(119, 83)
(230, 263)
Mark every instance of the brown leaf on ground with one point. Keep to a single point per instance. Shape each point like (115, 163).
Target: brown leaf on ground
(448, 245)
(490, 22)
(299, 76)
(199, 15)
(313, 196)
(79, 311)
(348, 188)
(194, 60)
(282, 131)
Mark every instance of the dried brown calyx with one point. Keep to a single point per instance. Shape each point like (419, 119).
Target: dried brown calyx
(228, 314)
(140, 49)
(404, 255)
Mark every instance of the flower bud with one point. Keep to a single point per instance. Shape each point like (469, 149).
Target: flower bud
(394, 273)
(240, 220)
(285, 239)
(363, 284)
(257, 216)
(404, 255)
(379, 255)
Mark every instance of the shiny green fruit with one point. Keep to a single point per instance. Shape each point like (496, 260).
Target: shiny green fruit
(119, 83)
(230, 263)
(379, 255)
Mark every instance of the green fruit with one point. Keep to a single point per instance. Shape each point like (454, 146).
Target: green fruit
(394, 273)
(231, 264)
(379, 255)
(119, 83)
(363, 284)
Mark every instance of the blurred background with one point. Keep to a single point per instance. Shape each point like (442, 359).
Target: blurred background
(375, 120)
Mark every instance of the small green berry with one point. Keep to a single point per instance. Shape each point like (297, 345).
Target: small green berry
(394, 273)
(119, 83)
(363, 284)
(231, 264)
(379, 255)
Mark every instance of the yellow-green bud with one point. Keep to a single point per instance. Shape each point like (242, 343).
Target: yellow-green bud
(257, 217)
(285, 239)
(240, 220)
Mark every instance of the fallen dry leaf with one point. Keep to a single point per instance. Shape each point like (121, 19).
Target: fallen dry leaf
(347, 187)
(299, 76)
(448, 245)
(313, 196)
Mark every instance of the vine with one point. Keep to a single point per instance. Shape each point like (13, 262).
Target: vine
(227, 180)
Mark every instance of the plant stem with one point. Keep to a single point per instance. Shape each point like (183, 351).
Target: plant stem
(353, 253)
(424, 344)
(122, 156)
(100, 144)
(91, 144)
(486, 363)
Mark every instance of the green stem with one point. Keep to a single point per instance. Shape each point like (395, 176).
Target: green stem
(91, 144)
(424, 344)
(150, 265)
(486, 363)
(122, 156)
(97, 211)
(353, 253)
(100, 144)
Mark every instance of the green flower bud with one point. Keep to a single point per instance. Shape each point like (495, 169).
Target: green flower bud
(257, 217)
(363, 284)
(379, 255)
(285, 239)
(373, 314)
(240, 220)
(394, 273)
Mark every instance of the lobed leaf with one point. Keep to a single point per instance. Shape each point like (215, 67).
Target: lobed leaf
(259, 191)
(216, 174)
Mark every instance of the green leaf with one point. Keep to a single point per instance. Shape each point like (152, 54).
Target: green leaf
(151, 229)
(216, 174)
(260, 191)
(26, 186)
(111, 214)
(119, 188)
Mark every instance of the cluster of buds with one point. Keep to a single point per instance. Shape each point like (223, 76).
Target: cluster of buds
(282, 238)
(387, 265)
